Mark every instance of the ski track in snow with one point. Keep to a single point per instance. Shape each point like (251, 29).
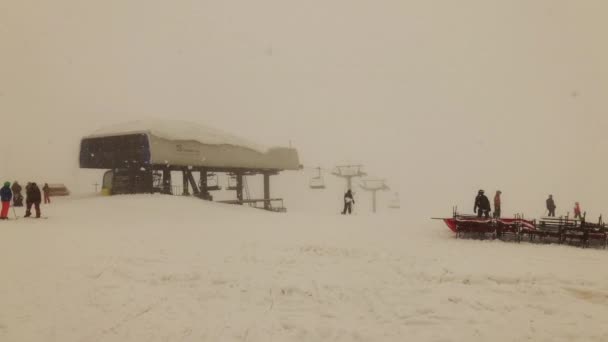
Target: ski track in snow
(100, 270)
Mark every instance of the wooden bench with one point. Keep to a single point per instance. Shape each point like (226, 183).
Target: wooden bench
(558, 229)
(594, 233)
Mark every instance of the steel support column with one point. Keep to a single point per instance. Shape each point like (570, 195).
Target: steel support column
(239, 186)
(167, 189)
(185, 192)
(267, 191)
(374, 200)
(195, 191)
(204, 186)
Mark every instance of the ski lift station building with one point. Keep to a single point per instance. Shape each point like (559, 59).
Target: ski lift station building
(141, 155)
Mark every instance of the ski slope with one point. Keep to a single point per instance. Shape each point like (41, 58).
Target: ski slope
(161, 268)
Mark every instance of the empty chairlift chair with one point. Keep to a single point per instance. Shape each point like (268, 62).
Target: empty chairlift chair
(157, 181)
(213, 183)
(317, 182)
(232, 182)
(395, 203)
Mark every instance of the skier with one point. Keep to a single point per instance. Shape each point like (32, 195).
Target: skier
(348, 202)
(5, 196)
(577, 210)
(482, 205)
(47, 191)
(551, 206)
(17, 196)
(32, 191)
(497, 204)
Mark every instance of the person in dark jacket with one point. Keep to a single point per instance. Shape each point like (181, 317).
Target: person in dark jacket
(551, 206)
(34, 197)
(17, 196)
(349, 200)
(46, 190)
(5, 197)
(482, 205)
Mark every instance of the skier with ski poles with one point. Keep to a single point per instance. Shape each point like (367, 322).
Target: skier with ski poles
(5, 197)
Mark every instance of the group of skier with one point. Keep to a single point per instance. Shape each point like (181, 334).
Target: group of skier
(33, 198)
(482, 206)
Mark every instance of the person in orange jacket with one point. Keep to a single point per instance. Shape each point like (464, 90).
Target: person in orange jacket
(577, 210)
(497, 204)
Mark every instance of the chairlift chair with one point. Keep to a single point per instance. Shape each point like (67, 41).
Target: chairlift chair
(232, 183)
(213, 183)
(317, 182)
(395, 203)
(157, 180)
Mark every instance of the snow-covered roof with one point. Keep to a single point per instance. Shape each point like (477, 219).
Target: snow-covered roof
(178, 130)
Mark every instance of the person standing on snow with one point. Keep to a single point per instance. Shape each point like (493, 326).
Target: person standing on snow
(482, 205)
(17, 196)
(497, 204)
(348, 202)
(577, 210)
(32, 191)
(551, 206)
(5, 197)
(47, 193)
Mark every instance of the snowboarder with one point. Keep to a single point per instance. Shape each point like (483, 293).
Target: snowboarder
(47, 191)
(32, 191)
(482, 205)
(348, 202)
(577, 210)
(551, 206)
(5, 197)
(497, 204)
(17, 196)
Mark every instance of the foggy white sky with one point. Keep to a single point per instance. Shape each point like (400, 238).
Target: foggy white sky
(441, 97)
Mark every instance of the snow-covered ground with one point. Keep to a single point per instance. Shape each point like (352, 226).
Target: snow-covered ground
(161, 268)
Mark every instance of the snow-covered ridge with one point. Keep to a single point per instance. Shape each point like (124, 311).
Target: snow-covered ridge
(178, 130)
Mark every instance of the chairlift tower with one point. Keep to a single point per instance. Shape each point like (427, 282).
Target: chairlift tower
(374, 185)
(349, 172)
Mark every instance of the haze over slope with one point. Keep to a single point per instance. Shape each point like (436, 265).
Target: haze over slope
(440, 97)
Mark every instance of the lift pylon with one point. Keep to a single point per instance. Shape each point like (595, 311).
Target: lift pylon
(374, 185)
(349, 172)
